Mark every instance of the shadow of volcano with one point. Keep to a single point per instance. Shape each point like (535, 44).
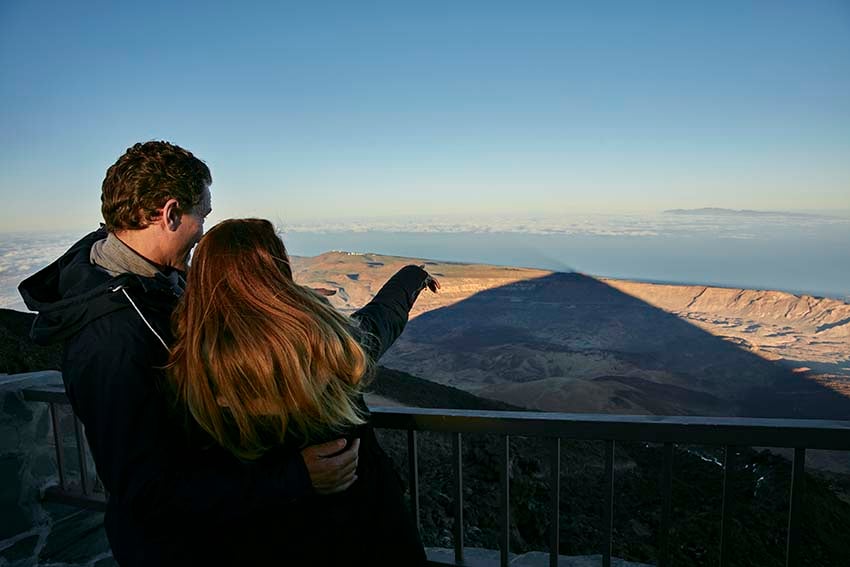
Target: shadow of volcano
(569, 342)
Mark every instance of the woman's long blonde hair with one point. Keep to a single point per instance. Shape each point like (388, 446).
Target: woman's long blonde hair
(256, 354)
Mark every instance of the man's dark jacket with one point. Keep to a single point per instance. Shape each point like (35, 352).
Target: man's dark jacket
(171, 499)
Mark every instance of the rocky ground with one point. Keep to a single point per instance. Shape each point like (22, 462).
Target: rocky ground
(761, 491)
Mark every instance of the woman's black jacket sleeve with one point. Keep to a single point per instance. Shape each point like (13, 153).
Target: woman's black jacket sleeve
(383, 319)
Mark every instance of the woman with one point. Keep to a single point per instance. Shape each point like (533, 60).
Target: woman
(266, 367)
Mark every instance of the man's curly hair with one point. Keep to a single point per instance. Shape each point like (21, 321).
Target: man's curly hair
(145, 178)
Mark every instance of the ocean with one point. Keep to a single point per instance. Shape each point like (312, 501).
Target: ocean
(803, 254)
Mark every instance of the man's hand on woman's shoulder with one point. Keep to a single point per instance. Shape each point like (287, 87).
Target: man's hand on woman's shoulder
(332, 466)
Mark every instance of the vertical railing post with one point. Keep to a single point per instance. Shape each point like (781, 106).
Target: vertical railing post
(413, 476)
(667, 506)
(608, 512)
(457, 462)
(57, 439)
(81, 454)
(795, 512)
(505, 509)
(728, 499)
(555, 470)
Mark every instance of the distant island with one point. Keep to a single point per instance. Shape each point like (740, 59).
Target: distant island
(718, 211)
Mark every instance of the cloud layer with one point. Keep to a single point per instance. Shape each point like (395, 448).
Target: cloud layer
(737, 226)
(24, 253)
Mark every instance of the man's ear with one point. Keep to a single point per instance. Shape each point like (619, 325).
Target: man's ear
(171, 214)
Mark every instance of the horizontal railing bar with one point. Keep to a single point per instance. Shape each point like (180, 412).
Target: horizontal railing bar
(760, 432)
(54, 394)
(812, 434)
(91, 502)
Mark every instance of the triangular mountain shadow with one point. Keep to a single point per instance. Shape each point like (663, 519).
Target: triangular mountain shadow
(570, 342)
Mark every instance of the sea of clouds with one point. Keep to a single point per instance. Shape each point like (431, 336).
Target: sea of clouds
(24, 253)
(722, 224)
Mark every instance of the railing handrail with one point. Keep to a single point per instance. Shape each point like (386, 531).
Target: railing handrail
(694, 430)
(736, 431)
(49, 394)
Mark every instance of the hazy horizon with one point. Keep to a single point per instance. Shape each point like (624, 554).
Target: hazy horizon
(802, 254)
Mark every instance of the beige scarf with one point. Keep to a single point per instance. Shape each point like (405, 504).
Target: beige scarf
(117, 258)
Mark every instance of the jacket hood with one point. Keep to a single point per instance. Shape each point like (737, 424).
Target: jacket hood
(71, 292)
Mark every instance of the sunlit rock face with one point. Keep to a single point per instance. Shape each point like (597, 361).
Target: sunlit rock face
(571, 342)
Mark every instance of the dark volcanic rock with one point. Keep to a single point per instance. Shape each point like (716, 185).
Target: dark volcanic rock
(17, 352)
(761, 488)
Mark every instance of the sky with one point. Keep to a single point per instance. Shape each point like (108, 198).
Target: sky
(314, 111)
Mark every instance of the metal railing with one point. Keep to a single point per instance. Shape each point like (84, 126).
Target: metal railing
(728, 433)
(89, 492)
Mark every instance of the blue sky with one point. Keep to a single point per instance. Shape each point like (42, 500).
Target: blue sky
(321, 110)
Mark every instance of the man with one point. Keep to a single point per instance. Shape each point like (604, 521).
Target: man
(110, 298)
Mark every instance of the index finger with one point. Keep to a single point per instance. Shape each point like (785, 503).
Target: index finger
(324, 291)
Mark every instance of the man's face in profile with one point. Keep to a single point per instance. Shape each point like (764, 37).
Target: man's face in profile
(191, 228)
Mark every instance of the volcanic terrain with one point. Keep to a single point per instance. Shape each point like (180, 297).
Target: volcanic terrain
(575, 343)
